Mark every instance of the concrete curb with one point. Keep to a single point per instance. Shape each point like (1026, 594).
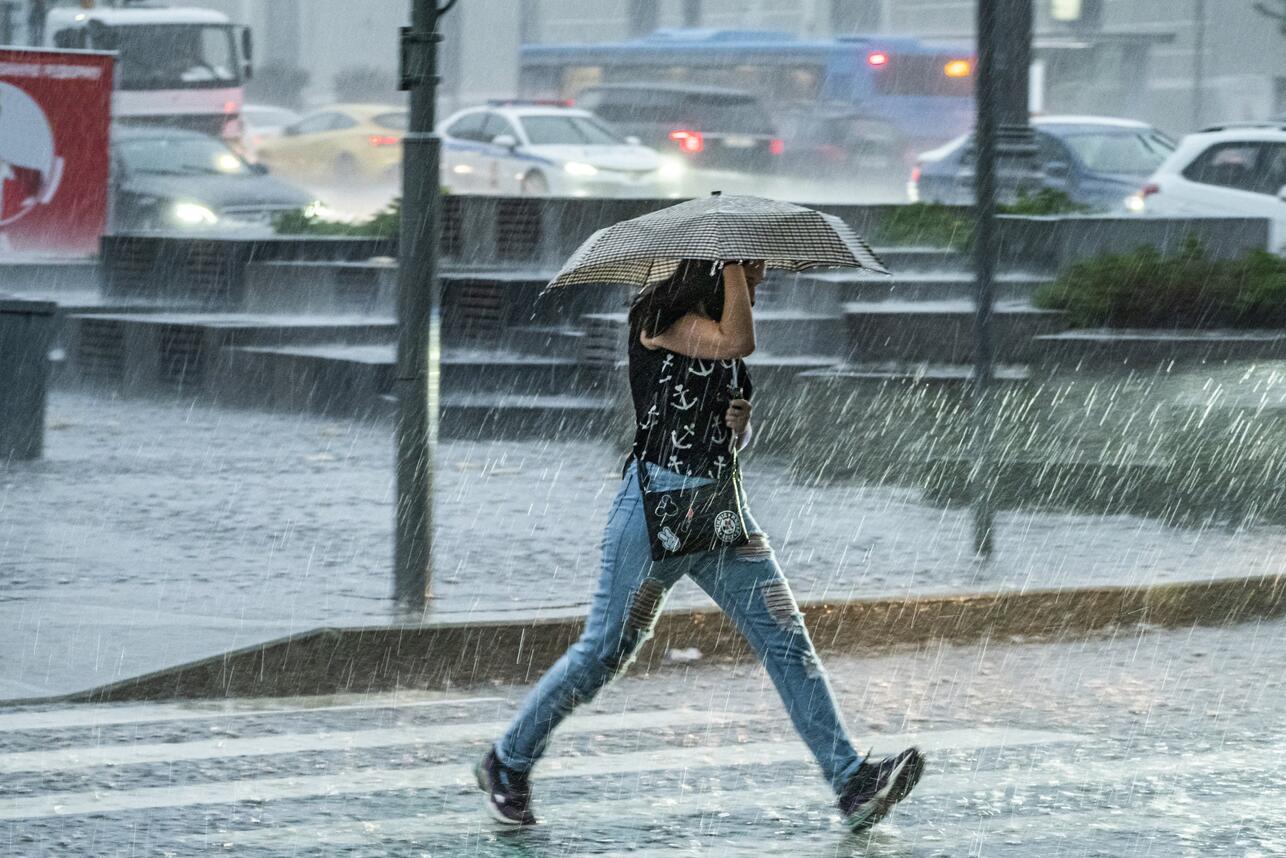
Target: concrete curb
(452, 655)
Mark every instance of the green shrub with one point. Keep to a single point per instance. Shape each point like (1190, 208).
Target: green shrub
(937, 225)
(1144, 289)
(1046, 201)
(923, 225)
(383, 224)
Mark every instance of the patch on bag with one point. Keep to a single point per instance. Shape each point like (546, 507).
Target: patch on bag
(727, 526)
(669, 541)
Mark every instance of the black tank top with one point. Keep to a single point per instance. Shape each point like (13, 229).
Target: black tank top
(679, 408)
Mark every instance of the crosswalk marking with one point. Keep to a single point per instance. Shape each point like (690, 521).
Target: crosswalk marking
(364, 781)
(760, 801)
(785, 800)
(62, 759)
(104, 716)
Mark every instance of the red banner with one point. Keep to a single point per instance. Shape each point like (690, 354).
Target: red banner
(55, 122)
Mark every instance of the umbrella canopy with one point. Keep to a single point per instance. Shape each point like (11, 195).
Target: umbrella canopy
(648, 249)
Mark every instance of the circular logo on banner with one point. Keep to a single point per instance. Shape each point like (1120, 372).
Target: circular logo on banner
(727, 526)
(30, 170)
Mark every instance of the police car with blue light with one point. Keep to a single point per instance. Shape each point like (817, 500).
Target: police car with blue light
(539, 149)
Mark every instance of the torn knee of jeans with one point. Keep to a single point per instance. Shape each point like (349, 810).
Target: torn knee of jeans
(780, 602)
(640, 619)
(645, 605)
(812, 664)
(756, 548)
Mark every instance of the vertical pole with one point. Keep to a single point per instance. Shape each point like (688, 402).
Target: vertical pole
(984, 250)
(1198, 63)
(643, 16)
(692, 13)
(529, 30)
(6, 22)
(417, 302)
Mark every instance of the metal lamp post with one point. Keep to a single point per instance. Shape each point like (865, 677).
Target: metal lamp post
(1003, 146)
(418, 296)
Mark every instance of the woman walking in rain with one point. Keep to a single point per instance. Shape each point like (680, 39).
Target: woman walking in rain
(692, 393)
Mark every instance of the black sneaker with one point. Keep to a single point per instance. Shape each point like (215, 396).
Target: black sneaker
(878, 785)
(508, 793)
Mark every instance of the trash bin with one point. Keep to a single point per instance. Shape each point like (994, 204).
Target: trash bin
(26, 330)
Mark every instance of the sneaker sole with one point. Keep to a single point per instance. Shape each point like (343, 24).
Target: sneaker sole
(900, 786)
(903, 782)
(484, 784)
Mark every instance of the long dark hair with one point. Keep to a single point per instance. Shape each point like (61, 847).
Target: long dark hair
(696, 284)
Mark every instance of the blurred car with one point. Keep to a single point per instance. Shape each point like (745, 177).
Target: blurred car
(835, 141)
(172, 179)
(712, 128)
(260, 122)
(345, 142)
(517, 148)
(1237, 169)
(1092, 159)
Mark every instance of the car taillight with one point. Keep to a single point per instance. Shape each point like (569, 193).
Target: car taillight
(776, 147)
(915, 174)
(877, 59)
(383, 140)
(1148, 190)
(689, 141)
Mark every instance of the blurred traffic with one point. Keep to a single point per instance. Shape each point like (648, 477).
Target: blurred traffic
(669, 112)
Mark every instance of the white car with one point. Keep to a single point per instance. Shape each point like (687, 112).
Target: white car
(1237, 169)
(536, 150)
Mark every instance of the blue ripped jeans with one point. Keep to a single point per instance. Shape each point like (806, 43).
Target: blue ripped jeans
(746, 583)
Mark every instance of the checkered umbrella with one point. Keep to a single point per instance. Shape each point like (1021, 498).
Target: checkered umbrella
(648, 249)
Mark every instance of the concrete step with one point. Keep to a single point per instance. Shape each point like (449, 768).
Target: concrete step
(941, 332)
(157, 352)
(553, 340)
(50, 277)
(912, 373)
(335, 380)
(1124, 347)
(504, 416)
(781, 333)
(902, 259)
(828, 291)
(343, 378)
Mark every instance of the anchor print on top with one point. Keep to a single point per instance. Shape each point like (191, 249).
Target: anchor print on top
(699, 367)
(689, 432)
(652, 415)
(674, 464)
(718, 434)
(719, 464)
(667, 370)
(681, 401)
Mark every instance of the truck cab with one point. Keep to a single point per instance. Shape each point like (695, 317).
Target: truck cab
(176, 66)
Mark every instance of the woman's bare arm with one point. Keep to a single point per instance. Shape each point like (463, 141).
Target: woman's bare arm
(733, 336)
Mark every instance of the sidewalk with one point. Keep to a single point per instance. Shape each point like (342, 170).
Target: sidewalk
(157, 533)
(1156, 743)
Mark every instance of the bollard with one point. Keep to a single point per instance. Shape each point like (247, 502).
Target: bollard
(26, 330)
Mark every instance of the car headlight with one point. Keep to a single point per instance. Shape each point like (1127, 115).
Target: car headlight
(1134, 203)
(670, 169)
(194, 214)
(580, 168)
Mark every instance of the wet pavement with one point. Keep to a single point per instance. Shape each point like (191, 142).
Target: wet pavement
(154, 533)
(1164, 743)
